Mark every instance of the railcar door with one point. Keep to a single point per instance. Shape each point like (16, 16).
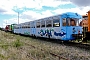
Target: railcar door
(34, 29)
(63, 28)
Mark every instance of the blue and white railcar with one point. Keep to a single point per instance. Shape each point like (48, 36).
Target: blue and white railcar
(26, 28)
(17, 28)
(21, 30)
(64, 26)
(32, 28)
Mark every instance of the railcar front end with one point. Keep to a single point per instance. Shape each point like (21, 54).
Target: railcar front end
(71, 25)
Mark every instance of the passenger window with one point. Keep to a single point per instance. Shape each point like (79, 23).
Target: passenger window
(38, 24)
(15, 27)
(33, 25)
(18, 26)
(64, 21)
(56, 23)
(72, 22)
(22, 26)
(42, 23)
(28, 25)
(48, 23)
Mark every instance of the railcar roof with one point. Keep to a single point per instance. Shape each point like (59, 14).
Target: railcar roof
(72, 15)
(69, 14)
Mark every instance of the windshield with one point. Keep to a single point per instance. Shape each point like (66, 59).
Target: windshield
(71, 22)
(74, 22)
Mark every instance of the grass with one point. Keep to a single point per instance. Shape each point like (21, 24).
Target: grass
(17, 43)
(15, 47)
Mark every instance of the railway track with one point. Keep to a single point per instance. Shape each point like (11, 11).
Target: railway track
(80, 45)
(85, 46)
(53, 54)
(67, 43)
(75, 44)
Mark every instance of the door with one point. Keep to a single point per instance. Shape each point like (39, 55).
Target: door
(34, 28)
(63, 28)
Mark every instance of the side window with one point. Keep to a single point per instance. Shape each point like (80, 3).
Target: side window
(18, 26)
(26, 25)
(43, 23)
(33, 24)
(38, 24)
(64, 22)
(29, 25)
(48, 23)
(22, 25)
(72, 22)
(56, 23)
(15, 27)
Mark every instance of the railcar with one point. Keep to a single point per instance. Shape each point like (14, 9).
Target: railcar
(87, 28)
(17, 28)
(9, 28)
(84, 22)
(12, 27)
(65, 27)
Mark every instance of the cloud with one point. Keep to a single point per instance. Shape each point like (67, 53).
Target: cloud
(2, 10)
(37, 4)
(82, 11)
(34, 15)
(14, 21)
(27, 16)
(8, 7)
(10, 12)
(80, 3)
(53, 3)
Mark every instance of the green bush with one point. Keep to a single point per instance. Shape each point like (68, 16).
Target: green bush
(17, 43)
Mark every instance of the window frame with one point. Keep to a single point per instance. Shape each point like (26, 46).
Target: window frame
(64, 23)
(49, 23)
(38, 25)
(42, 23)
(57, 22)
(28, 24)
